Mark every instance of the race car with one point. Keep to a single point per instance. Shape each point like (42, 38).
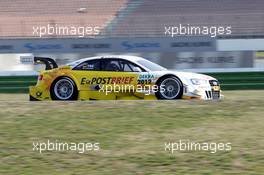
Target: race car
(119, 77)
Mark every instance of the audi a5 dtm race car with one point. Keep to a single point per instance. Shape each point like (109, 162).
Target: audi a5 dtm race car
(118, 77)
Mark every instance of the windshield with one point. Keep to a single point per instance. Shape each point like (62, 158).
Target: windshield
(151, 66)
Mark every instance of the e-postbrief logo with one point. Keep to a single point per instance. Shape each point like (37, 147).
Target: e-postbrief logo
(107, 80)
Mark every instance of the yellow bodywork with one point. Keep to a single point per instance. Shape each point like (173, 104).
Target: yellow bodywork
(85, 82)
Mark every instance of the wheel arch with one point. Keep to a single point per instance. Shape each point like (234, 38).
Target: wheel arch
(74, 79)
(168, 75)
(163, 77)
(60, 77)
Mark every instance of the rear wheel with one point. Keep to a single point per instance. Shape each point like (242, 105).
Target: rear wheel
(63, 88)
(170, 88)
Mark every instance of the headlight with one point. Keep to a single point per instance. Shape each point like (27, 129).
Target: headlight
(196, 81)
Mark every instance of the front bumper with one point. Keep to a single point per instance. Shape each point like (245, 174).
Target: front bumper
(205, 92)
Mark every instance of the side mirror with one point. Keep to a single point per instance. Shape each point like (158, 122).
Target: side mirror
(136, 69)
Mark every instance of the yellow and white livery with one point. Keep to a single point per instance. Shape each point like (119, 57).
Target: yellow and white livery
(119, 77)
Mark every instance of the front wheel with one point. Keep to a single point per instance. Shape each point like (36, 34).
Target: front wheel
(63, 89)
(169, 88)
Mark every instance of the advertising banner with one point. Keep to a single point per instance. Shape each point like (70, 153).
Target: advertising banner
(201, 60)
(87, 45)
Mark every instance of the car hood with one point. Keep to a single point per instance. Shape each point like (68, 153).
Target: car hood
(187, 75)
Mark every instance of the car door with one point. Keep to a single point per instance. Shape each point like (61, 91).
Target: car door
(108, 78)
(87, 74)
(123, 76)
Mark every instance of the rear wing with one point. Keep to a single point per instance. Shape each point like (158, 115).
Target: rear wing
(48, 62)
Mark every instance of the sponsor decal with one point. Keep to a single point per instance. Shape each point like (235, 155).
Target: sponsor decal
(146, 76)
(107, 80)
(145, 79)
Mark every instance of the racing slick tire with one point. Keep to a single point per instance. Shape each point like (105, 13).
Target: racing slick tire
(63, 88)
(169, 88)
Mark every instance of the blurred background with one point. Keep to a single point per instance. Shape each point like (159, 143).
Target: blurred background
(132, 134)
(136, 27)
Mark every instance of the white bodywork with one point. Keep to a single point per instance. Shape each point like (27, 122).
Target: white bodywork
(190, 89)
(202, 90)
